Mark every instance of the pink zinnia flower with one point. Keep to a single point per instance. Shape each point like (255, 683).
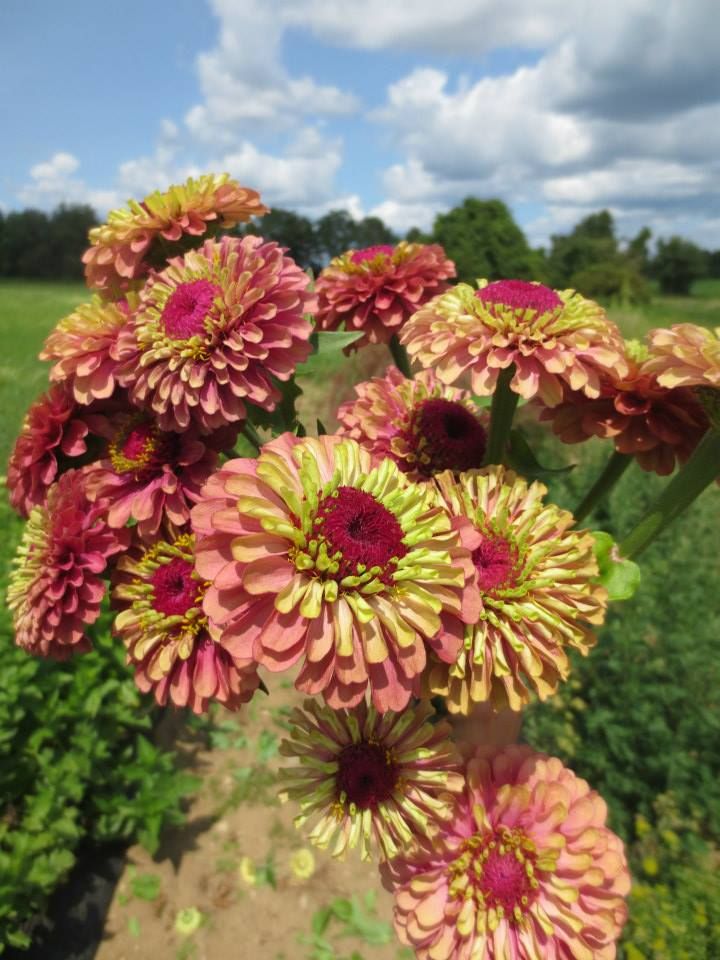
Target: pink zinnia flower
(211, 332)
(315, 554)
(375, 290)
(149, 475)
(56, 585)
(55, 428)
(552, 337)
(375, 781)
(166, 633)
(145, 234)
(657, 425)
(685, 356)
(535, 578)
(421, 424)
(81, 344)
(527, 869)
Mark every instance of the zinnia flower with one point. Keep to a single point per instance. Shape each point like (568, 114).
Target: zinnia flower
(56, 585)
(421, 424)
(535, 577)
(552, 337)
(685, 356)
(148, 475)
(166, 633)
(315, 553)
(374, 781)
(80, 347)
(527, 869)
(375, 290)
(54, 428)
(656, 425)
(162, 225)
(212, 330)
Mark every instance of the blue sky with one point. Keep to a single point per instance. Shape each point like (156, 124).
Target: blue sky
(559, 108)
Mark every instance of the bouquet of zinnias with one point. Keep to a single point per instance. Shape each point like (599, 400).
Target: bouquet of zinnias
(404, 568)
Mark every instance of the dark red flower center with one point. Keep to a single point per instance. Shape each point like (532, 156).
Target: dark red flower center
(631, 404)
(140, 448)
(504, 881)
(520, 295)
(447, 436)
(175, 590)
(495, 561)
(366, 774)
(361, 534)
(369, 253)
(187, 307)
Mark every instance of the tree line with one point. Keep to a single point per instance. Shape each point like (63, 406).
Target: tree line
(481, 236)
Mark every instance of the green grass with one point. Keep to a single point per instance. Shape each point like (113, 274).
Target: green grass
(702, 308)
(28, 311)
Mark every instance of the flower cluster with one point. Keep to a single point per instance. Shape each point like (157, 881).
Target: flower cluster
(376, 290)
(407, 566)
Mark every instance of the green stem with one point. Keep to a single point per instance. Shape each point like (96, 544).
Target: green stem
(614, 469)
(502, 412)
(687, 484)
(250, 434)
(400, 357)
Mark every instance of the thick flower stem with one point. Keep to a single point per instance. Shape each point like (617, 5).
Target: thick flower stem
(250, 434)
(614, 469)
(400, 357)
(687, 484)
(502, 411)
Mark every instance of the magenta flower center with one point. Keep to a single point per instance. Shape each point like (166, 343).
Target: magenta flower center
(369, 253)
(140, 448)
(499, 870)
(366, 775)
(504, 881)
(495, 561)
(446, 436)
(175, 590)
(520, 295)
(361, 535)
(187, 307)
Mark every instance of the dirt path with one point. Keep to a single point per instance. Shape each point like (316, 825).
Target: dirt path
(230, 867)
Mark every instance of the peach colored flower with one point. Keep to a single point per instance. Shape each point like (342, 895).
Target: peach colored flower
(527, 869)
(374, 781)
(421, 424)
(657, 425)
(552, 337)
(213, 330)
(56, 586)
(149, 475)
(535, 579)
(163, 225)
(375, 290)
(166, 633)
(80, 347)
(315, 554)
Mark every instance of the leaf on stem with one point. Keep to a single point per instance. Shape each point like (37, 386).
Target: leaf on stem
(619, 576)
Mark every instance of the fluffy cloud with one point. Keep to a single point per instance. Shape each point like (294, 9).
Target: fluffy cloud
(623, 112)
(244, 82)
(53, 182)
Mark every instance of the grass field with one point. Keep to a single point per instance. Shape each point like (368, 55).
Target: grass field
(640, 718)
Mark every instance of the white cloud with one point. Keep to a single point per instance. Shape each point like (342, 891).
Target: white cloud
(244, 82)
(52, 182)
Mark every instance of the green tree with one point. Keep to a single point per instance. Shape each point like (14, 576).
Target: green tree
(483, 240)
(290, 230)
(336, 232)
(371, 232)
(677, 264)
(591, 242)
(69, 226)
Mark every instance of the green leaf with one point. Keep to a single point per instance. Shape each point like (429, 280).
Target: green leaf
(619, 576)
(284, 416)
(521, 458)
(328, 346)
(146, 886)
